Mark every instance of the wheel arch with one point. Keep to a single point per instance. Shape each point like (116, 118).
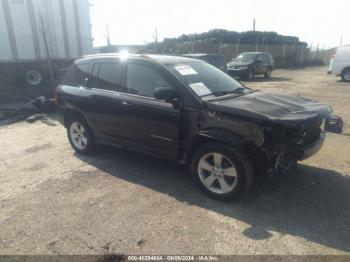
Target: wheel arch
(344, 70)
(213, 135)
(237, 146)
(69, 113)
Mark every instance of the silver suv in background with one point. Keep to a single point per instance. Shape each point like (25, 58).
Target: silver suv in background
(340, 63)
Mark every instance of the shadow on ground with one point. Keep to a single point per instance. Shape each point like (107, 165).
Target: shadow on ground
(29, 117)
(313, 203)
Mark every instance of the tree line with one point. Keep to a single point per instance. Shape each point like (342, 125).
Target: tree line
(232, 37)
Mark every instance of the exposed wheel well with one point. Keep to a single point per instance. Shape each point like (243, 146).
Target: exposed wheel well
(69, 113)
(199, 141)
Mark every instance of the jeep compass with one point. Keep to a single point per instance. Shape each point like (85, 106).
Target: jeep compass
(191, 112)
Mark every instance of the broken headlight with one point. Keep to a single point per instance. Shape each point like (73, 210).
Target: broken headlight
(258, 136)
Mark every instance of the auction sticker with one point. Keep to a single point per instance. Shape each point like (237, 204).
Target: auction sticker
(200, 89)
(185, 70)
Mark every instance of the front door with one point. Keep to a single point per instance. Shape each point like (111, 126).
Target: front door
(148, 124)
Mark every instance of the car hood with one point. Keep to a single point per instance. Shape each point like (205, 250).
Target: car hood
(279, 108)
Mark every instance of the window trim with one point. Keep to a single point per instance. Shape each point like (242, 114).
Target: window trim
(123, 79)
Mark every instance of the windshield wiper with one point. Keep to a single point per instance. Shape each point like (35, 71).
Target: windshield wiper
(223, 93)
(217, 94)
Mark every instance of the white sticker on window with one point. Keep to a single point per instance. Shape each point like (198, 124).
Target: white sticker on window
(200, 89)
(185, 70)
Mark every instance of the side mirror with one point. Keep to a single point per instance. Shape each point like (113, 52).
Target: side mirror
(164, 93)
(87, 82)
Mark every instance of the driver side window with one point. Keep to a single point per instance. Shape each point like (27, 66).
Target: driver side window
(142, 80)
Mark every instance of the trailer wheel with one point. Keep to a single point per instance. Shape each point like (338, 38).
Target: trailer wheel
(33, 77)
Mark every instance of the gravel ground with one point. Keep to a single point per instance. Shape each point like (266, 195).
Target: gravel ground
(53, 201)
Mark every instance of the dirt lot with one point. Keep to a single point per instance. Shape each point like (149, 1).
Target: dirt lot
(54, 201)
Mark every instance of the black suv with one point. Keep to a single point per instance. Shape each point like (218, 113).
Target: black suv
(247, 65)
(191, 112)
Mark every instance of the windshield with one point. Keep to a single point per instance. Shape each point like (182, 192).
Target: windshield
(205, 80)
(246, 57)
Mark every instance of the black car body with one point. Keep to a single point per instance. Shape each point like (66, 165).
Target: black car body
(216, 60)
(180, 108)
(249, 64)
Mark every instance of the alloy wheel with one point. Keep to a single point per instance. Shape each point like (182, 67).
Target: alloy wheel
(217, 173)
(78, 135)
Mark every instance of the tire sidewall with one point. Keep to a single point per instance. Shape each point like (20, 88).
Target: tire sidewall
(343, 75)
(250, 75)
(234, 157)
(91, 144)
(268, 73)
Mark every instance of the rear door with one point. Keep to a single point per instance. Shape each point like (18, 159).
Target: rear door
(104, 88)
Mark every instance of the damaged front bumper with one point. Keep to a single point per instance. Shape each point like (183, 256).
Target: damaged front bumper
(310, 150)
(282, 157)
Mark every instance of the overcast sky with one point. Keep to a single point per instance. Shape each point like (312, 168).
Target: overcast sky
(134, 21)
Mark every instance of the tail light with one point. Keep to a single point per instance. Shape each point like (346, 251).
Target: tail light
(56, 94)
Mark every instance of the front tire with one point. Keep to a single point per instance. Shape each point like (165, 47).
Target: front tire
(267, 75)
(346, 75)
(220, 171)
(80, 136)
(250, 75)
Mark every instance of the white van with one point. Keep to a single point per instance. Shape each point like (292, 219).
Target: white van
(340, 63)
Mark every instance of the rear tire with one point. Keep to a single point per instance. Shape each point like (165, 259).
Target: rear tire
(80, 135)
(345, 76)
(220, 171)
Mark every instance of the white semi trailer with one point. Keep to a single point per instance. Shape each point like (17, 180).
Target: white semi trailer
(35, 33)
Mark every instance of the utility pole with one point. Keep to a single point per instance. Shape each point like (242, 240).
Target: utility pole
(237, 45)
(108, 38)
(254, 24)
(155, 38)
(341, 41)
(48, 58)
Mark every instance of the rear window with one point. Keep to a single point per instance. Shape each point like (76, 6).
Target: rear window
(108, 76)
(76, 75)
